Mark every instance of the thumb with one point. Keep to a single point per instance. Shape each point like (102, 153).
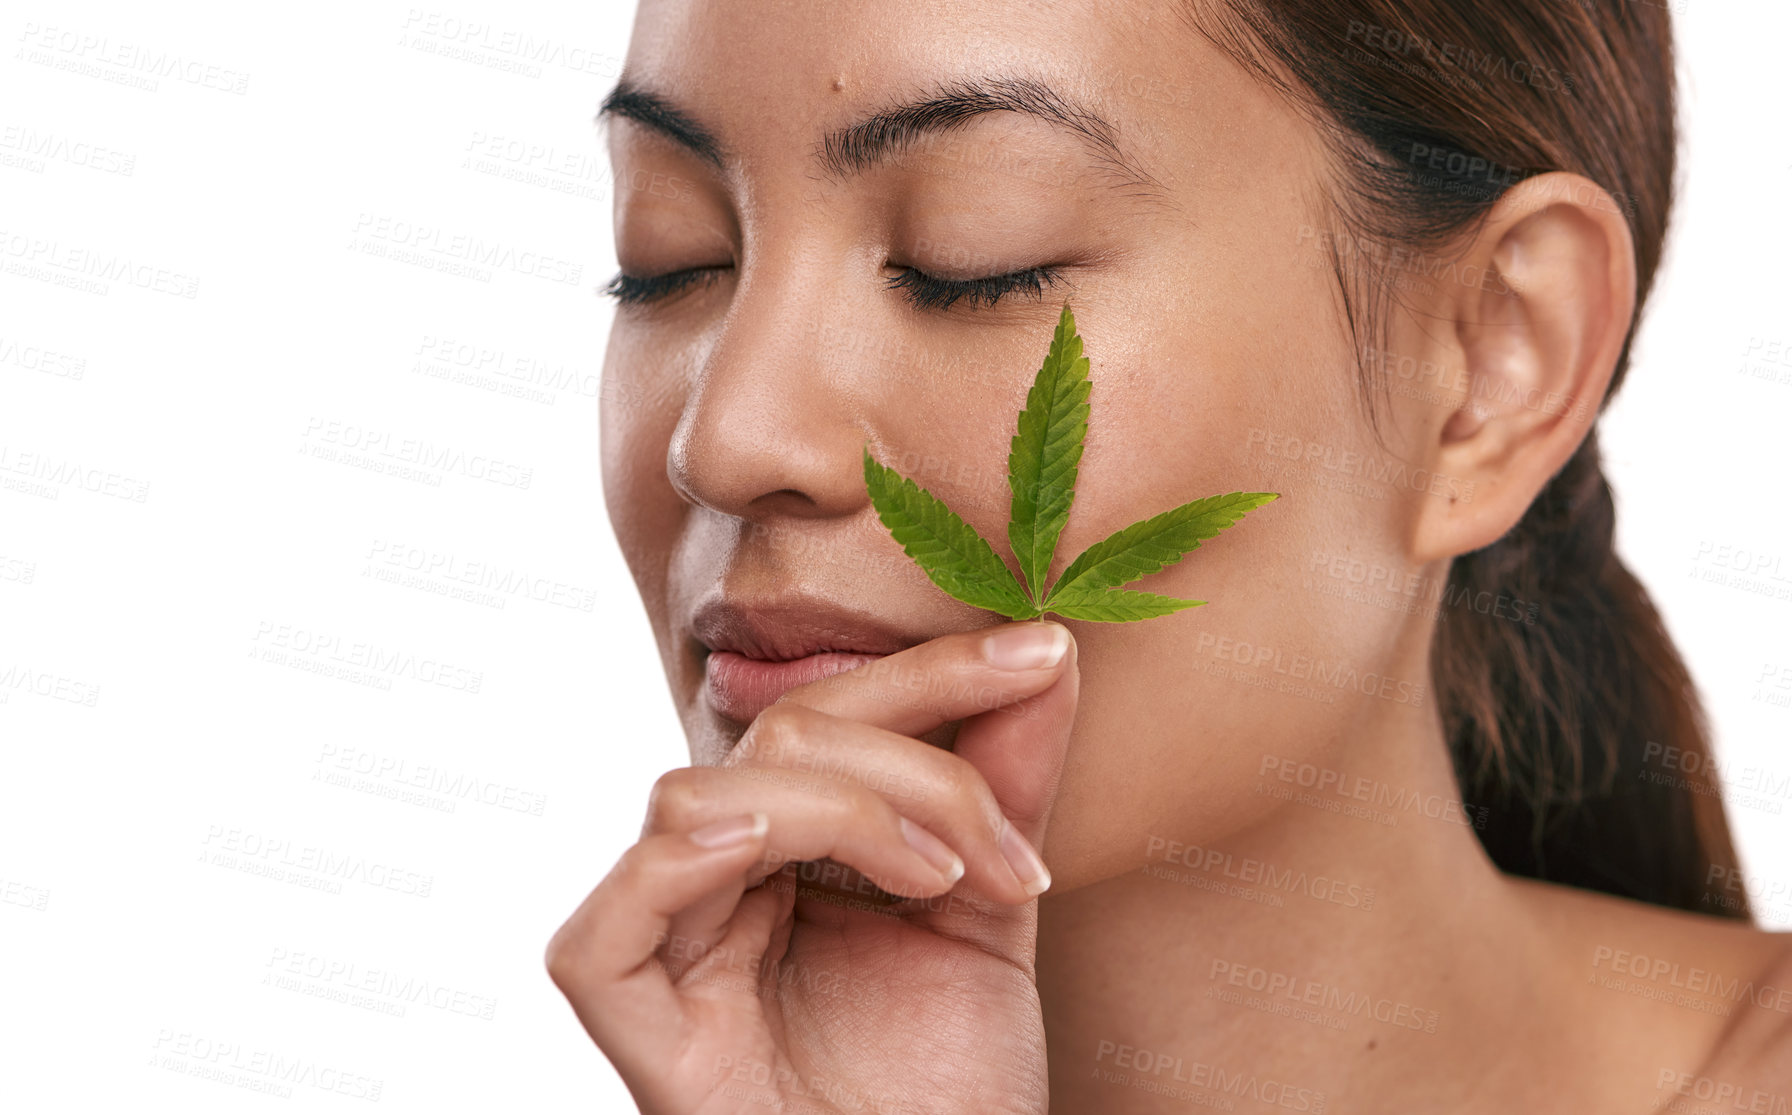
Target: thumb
(1019, 750)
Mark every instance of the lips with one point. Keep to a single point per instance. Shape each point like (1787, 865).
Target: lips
(758, 652)
(741, 688)
(795, 627)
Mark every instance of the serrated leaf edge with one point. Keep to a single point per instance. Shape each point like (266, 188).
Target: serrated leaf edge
(1068, 580)
(1022, 605)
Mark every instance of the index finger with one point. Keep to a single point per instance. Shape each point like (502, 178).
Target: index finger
(949, 678)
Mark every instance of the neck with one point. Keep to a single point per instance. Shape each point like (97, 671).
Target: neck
(1356, 942)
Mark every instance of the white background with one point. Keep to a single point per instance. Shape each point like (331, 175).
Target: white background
(166, 739)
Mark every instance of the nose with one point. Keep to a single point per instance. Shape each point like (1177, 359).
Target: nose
(770, 426)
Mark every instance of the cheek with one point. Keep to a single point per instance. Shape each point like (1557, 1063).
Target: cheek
(1187, 711)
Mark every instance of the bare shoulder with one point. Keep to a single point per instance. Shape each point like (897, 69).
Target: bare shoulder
(1751, 1065)
(1708, 998)
(1624, 936)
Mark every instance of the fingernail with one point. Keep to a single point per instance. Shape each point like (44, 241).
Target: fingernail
(1027, 646)
(1024, 861)
(932, 849)
(731, 831)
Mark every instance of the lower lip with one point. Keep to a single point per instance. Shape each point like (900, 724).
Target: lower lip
(741, 688)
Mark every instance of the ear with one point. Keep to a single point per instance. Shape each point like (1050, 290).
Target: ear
(1537, 339)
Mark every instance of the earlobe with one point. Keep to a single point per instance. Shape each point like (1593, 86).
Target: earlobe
(1539, 345)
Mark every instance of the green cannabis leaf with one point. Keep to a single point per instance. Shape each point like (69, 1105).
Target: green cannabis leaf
(1047, 447)
(1042, 465)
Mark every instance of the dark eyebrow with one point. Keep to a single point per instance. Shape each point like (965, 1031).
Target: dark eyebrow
(660, 114)
(888, 132)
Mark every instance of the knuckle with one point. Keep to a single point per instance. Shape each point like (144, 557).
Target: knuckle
(776, 732)
(561, 958)
(968, 791)
(670, 804)
(856, 805)
(567, 955)
(743, 753)
(637, 870)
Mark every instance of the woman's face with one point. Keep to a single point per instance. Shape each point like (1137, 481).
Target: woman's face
(1183, 228)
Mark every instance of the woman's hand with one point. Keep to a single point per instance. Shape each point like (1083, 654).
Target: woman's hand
(717, 978)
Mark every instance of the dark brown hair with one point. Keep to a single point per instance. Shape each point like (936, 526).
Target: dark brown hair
(1431, 110)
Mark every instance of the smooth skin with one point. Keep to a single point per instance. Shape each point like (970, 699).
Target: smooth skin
(1188, 766)
(782, 1000)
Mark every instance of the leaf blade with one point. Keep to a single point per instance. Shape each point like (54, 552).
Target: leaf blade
(1045, 452)
(1115, 605)
(1153, 544)
(952, 554)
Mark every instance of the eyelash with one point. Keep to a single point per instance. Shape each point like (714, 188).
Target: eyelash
(924, 292)
(633, 290)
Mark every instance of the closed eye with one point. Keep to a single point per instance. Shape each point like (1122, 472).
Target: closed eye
(635, 290)
(923, 291)
(929, 293)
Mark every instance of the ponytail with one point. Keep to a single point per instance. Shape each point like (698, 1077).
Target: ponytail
(1581, 733)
